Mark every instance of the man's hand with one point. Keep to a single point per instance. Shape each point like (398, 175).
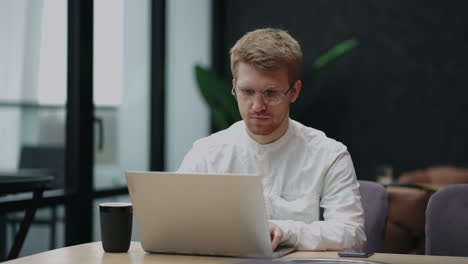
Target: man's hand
(275, 234)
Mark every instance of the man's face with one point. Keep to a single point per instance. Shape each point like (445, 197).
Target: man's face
(261, 117)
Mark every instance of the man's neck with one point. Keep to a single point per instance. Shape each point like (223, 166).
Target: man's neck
(270, 138)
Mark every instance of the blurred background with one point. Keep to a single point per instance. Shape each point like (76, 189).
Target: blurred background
(91, 89)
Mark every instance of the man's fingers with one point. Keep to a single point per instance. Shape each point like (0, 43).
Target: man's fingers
(276, 236)
(271, 229)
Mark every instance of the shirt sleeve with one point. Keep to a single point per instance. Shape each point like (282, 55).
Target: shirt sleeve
(193, 161)
(343, 224)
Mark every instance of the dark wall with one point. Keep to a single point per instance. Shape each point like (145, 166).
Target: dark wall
(398, 98)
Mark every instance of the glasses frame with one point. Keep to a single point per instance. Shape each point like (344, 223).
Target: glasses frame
(262, 94)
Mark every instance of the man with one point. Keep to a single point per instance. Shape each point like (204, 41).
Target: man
(301, 168)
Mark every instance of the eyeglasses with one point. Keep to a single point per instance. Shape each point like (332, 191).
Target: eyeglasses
(270, 96)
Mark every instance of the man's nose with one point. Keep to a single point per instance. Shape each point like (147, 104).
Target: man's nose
(258, 102)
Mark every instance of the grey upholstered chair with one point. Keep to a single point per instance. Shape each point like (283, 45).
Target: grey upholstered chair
(374, 202)
(447, 222)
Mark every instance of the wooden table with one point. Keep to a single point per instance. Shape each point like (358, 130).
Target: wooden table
(92, 253)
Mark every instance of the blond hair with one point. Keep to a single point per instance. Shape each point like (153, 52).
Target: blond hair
(268, 49)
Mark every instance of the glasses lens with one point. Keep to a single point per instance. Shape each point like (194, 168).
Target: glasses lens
(246, 95)
(273, 100)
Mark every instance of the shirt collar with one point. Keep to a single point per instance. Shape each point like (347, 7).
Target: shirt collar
(258, 147)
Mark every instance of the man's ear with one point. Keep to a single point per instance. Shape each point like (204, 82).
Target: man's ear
(296, 89)
(233, 82)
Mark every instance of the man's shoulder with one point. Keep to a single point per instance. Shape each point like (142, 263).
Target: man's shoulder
(223, 138)
(317, 139)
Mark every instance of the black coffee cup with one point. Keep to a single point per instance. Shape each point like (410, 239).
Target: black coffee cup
(116, 226)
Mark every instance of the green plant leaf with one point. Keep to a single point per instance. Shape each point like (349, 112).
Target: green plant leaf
(338, 50)
(217, 95)
(220, 119)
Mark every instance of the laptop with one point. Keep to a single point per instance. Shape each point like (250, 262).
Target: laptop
(201, 214)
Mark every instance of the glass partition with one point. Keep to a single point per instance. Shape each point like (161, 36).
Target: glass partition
(121, 90)
(33, 90)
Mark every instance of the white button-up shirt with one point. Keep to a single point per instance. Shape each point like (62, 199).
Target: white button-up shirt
(301, 171)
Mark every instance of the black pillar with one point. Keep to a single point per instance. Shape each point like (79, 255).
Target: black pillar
(157, 85)
(79, 128)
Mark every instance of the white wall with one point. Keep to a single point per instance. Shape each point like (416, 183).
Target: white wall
(188, 42)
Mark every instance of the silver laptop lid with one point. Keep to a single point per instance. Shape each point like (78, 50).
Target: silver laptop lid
(203, 214)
